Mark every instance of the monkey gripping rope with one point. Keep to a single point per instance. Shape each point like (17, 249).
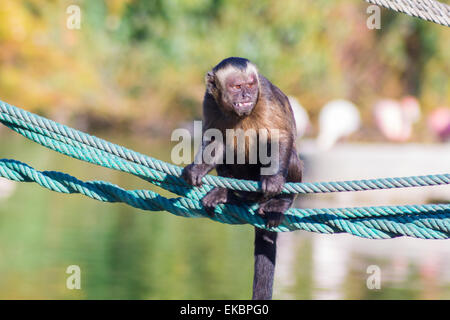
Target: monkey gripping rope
(431, 221)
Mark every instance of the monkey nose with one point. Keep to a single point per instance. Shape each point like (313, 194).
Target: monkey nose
(245, 94)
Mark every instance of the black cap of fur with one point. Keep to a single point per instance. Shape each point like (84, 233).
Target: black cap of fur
(238, 63)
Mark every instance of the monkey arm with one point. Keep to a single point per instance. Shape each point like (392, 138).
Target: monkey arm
(272, 184)
(208, 157)
(218, 194)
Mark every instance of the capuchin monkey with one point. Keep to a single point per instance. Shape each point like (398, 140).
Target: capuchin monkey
(239, 99)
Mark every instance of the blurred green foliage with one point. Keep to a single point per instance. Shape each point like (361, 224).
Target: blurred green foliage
(143, 62)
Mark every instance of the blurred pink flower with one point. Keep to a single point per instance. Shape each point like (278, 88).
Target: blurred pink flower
(439, 123)
(395, 119)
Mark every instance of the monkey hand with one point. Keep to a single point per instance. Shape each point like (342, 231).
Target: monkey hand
(273, 211)
(213, 198)
(272, 185)
(193, 174)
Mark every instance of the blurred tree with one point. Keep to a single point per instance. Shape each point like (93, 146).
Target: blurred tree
(144, 61)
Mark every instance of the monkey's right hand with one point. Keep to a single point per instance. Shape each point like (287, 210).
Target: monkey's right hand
(193, 174)
(213, 198)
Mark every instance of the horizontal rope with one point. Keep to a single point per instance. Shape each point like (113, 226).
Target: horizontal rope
(429, 10)
(419, 221)
(94, 150)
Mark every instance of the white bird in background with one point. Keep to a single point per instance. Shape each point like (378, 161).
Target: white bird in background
(301, 117)
(337, 119)
(439, 123)
(395, 119)
(7, 188)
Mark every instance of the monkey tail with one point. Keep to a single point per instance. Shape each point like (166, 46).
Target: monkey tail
(265, 256)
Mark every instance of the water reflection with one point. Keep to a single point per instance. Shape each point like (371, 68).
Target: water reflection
(335, 266)
(122, 252)
(125, 253)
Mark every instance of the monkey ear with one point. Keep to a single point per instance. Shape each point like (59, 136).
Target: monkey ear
(210, 79)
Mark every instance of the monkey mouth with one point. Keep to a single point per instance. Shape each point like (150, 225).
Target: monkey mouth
(243, 106)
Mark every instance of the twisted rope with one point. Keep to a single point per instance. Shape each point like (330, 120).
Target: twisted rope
(420, 221)
(428, 10)
(94, 150)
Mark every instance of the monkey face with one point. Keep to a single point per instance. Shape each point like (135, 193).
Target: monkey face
(240, 92)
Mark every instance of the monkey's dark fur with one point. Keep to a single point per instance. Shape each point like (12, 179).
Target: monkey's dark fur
(238, 97)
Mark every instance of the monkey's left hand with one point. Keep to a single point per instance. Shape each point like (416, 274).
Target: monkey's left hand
(272, 185)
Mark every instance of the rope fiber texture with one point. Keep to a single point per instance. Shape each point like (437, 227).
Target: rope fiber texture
(429, 10)
(430, 221)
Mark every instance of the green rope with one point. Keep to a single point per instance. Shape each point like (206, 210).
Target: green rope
(91, 149)
(423, 221)
(420, 221)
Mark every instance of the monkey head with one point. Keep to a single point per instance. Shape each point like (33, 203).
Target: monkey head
(234, 85)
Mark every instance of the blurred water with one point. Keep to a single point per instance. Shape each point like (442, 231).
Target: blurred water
(337, 266)
(122, 252)
(125, 253)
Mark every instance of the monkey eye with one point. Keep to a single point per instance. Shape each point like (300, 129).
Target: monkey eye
(250, 85)
(237, 86)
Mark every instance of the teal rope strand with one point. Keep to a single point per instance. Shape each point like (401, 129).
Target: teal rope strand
(35, 127)
(421, 221)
